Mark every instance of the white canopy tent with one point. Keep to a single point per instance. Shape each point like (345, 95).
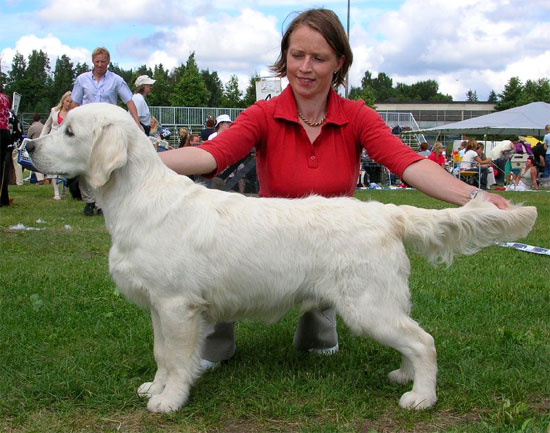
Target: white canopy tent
(526, 120)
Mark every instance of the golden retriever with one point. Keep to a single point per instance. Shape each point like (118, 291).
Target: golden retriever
(195, 256)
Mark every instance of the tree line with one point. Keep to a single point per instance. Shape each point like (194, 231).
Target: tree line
(382, 89)
(187, 86)
(184, 86)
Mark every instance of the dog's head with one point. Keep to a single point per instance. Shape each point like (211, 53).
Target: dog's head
(92, 141)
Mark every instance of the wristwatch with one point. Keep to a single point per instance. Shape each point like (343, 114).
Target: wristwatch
(474, 193)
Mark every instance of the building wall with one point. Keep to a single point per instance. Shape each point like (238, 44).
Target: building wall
(429, 114)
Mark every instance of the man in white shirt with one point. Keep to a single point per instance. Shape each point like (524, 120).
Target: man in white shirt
(100, 85)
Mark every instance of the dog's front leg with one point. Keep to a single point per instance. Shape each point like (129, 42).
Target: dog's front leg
(149, 389)
(180, 327)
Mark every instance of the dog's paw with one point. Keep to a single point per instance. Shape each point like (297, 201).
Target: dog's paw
(149, 389)
(413, 400)
(400, 377)
(163, 404)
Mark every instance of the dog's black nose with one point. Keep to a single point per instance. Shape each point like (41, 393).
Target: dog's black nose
(30, 146)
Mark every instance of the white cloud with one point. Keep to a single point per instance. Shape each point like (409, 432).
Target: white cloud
(105, 13)
(462, 45)
(242, 44)
(50, 45)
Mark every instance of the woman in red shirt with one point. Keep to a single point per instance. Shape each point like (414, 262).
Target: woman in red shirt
(309, 140)
(5, 141)
(437, 154)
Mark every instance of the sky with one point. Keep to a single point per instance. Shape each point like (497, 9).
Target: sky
(463, 45)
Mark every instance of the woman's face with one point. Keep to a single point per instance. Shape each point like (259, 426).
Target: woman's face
(147, 88)
(67, 103)
(310, 62)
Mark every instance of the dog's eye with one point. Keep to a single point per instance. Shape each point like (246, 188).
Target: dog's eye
(69, 132)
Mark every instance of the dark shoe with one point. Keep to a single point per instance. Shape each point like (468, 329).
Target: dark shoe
(89, 209)
(98, 211)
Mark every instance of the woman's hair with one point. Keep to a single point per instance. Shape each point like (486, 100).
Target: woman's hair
(59, 105)
(184, 137)
(472, 145)
(437, 146)
(423, 146)
(154, 124)
(210, 122)
(327, 23)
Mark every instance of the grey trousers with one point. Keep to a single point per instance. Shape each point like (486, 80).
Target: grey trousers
(86, 190)
(315, 330)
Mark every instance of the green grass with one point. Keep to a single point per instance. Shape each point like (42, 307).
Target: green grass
(73, 352)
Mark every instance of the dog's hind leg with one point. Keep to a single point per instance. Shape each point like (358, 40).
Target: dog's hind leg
(418, 363)
(390, 325)
(180, 328)
(149, 389)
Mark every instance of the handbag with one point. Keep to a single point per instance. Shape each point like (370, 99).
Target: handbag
(23, 157)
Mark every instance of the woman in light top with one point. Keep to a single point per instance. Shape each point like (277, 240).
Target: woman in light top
(144, 86)
(57, 114)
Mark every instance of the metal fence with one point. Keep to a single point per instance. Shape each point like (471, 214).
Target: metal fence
(193, 119)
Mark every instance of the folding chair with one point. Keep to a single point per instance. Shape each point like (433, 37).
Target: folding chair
(466, 175)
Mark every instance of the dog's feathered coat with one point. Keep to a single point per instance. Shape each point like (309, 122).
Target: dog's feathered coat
(195, 256)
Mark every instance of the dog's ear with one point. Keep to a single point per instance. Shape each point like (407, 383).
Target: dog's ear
(109, 152)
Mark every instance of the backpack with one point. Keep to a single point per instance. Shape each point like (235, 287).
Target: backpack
(539, 151)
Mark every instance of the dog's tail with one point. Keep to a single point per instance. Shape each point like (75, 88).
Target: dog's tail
(439, 235)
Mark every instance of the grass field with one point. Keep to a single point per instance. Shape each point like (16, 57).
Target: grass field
(73, 352)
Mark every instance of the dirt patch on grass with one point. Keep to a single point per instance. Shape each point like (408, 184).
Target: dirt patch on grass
(440, 421)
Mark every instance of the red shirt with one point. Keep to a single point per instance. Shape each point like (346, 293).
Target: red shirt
(289, 165)
(4, 111)
(440, 159)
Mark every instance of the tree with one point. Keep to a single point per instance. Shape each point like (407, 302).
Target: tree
(63, 77)
(378, 89)
(364, 93)
(535, 91)
(16, 76)
(190, 90)
(232, 96)
(162, 88)
(383, 87)
(427, 91)
(471, 96)
(126, 74)
(37, 83)
(214, 86)
(80, 68)
(510, 97)
(492, 97)
(250, 94)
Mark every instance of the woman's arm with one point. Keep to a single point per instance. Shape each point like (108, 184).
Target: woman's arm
(534, 177)
(436, 182)
(189, 160)
(482, 161)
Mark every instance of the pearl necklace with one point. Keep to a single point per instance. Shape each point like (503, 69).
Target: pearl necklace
(312, 124)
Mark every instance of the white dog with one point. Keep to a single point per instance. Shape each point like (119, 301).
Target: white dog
(196, 256)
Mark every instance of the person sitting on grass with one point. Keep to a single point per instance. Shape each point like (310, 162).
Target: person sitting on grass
(527, 178)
